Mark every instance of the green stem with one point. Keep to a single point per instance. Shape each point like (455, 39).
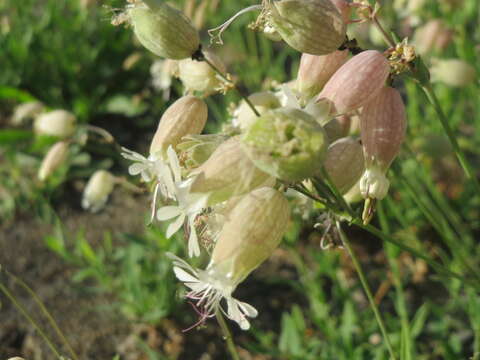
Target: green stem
(224, 77)
(24, 312)
(427, 88)
(47, 314)
(388, 39)
(366, 287)
(227, 335)
(437, 266)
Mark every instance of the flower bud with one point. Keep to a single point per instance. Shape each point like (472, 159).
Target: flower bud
(253, 230)
(309, 26)
(185, 116)
(196, 149)
(228, 172)
(315, 71)
(453, 72)
(59, 123)
(382, 125)
(286, 143)
(199, 76)
(344, 163)
(357, 82)
(263, 101)
(54, 158)
(25, 112)
(433, 36)
(164, 30)
(98, 188)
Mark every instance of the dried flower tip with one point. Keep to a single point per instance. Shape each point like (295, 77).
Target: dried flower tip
(163, 30)
(344, 163)
(199, 76)
(98, 188)
(315, 71)
(453, 72)
(54, 158)
(263, 101)
(356, 82)
(286, 143)
(59, 123)
(26, 112)
(228, 172)
(186, 116)
(309, 26)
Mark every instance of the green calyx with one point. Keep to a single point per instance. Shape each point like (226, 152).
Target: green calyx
(286, 143)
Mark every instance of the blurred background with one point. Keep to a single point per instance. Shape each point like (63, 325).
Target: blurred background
(104, 276)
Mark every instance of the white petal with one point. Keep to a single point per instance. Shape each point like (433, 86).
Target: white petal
(136, 168)
(174, 163)
(132, 155)
(184, 276)
(175, 226)
(168, 212)
(193, 247)
(247, 309)
(236, 315)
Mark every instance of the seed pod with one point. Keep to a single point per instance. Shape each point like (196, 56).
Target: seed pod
(433, 36)
(315, 71)
(54, 158)
(382, 125)
(344, 163)
(263, 101)
(357, 82)
(286, 143)
(453, 72)
(253, 230)
(227, 173)
(98, 188)
(164, 30)
(186, 116)
(309, 26)
(199, 76)
(59, 123)
(26, 112)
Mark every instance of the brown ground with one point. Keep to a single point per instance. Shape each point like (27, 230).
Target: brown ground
(93, 328)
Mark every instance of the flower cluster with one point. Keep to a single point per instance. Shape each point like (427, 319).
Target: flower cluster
(227, 190)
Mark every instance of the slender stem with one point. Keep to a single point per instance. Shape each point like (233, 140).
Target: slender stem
(437, 266)
(225, 78)
(384, 237)
(47, 314)
(427, 88)
(227, 335)
(388, 39)
(24, 312)
(366, 287)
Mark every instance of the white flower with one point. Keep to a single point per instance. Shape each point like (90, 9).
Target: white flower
(188, 206)
(374, 184)
(288, 98)
(142, 165)
(208, 288)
